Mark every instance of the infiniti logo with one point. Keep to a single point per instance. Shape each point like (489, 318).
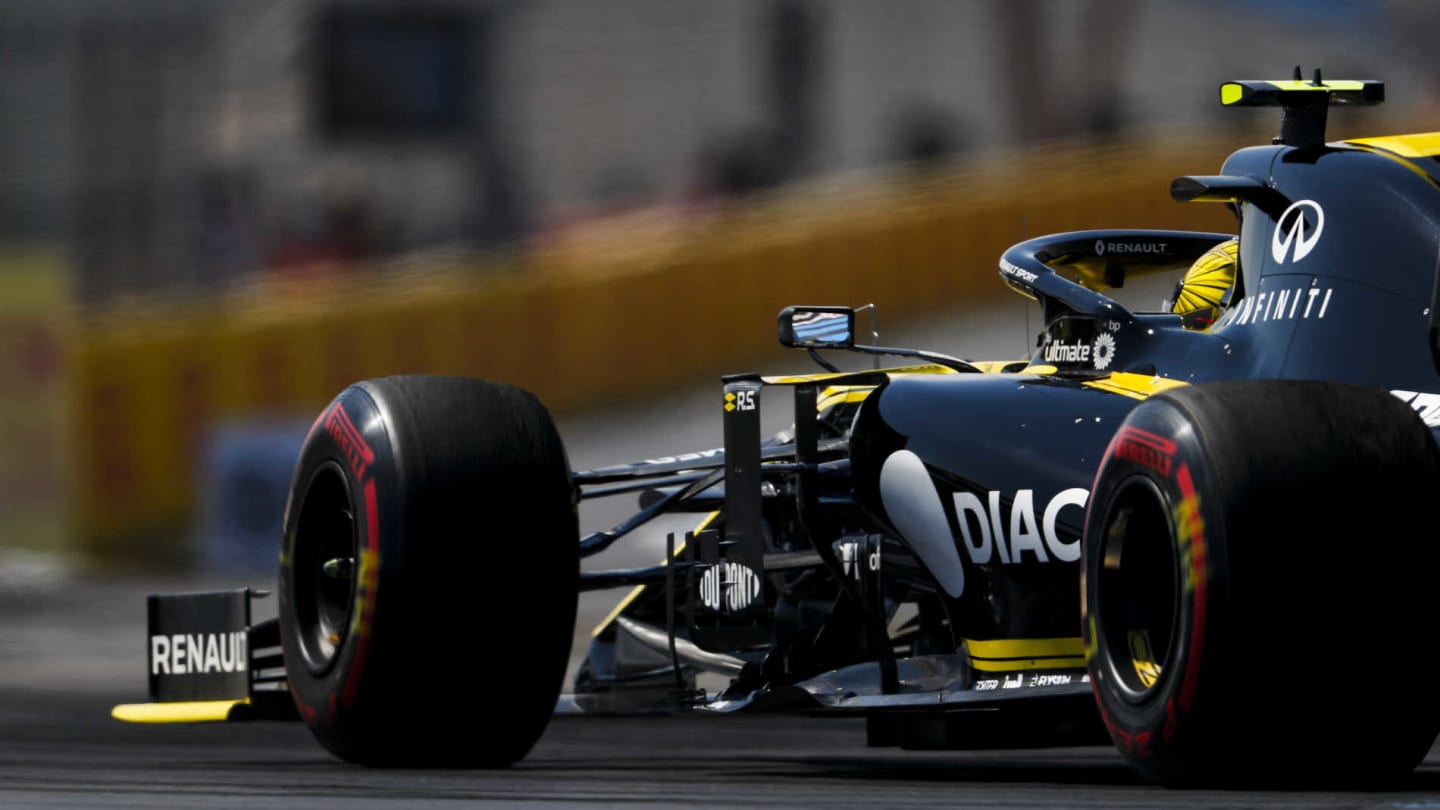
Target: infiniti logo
(1293, 228)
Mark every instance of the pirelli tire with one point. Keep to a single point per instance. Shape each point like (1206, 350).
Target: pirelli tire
(429, 573)
(1258, 563)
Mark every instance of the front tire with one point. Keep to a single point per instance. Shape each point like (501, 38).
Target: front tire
(429, 573)
(1258, 567)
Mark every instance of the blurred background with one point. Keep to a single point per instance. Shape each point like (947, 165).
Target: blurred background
(214, 215)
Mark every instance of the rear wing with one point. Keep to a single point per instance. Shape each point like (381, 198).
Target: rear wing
(1305, 103)
(1299, 93)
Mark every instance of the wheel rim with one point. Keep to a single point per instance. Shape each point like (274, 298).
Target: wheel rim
(1138, 593)
(324, 567)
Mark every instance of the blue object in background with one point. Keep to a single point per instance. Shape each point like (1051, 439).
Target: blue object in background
(245, 478)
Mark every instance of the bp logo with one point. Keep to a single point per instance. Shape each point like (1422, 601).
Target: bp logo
(1297, 231)
(1104, 351)
(728, 586)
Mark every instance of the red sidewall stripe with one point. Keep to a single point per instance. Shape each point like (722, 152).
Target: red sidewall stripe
(371, 579)
(1196, 532)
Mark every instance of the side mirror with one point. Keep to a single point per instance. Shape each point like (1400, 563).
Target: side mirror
(817, 327)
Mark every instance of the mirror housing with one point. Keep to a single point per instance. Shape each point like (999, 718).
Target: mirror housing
(817, 327)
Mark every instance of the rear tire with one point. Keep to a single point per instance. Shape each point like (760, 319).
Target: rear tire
(445, 642)
(1259, 563)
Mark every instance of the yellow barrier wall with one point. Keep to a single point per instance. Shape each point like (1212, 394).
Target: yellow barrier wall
(603, 313)
(34, 330)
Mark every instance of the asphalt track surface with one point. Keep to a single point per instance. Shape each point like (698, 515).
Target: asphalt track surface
(63, 752)
(70, 649)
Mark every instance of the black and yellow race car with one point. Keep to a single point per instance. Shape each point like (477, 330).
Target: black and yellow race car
(1202, 533)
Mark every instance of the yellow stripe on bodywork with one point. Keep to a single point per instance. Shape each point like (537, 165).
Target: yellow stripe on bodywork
(994, 366)
(801, 379)
(1135, 386)
(986, 366)
(1420, 144)
(842, 394)
(204, 711)
(1010, 654)
(638, 589)
(1375, 147)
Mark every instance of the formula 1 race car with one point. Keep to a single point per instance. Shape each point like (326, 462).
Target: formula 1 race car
(1209, 541)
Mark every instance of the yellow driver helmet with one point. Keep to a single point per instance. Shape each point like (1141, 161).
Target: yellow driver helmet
(1203, 294)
